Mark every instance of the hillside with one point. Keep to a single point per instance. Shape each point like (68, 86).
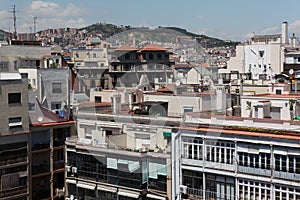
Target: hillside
(108, 30)
(204, 40)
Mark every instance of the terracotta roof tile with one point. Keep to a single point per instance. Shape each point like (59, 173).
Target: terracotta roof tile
(153, 47)
(126, 48)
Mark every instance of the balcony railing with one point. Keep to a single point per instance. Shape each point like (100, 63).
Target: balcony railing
(13, 191)
(287, 175)
(251, 170)
(39, 169)
(221, 166)
(58, 142)
(58, 164)
(193, 193)
(40, 146)
(13, 161)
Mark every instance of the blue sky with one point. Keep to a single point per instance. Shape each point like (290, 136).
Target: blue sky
(230, 19)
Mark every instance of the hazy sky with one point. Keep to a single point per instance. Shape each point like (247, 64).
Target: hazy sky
(224, 19)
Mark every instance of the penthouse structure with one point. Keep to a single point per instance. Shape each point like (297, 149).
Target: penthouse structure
(118, 155)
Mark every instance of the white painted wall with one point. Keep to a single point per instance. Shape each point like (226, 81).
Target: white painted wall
(32, 76)
(282, 103)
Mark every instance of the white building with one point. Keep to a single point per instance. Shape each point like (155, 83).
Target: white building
(262, 57)
(235, 158)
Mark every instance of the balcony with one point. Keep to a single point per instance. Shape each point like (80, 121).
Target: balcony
(13, 191)
(255, 171)
(287, 175)
(57, 142)
(40, 146)
(219, 166)
(60, 164)
(39, 169)
(13, 161)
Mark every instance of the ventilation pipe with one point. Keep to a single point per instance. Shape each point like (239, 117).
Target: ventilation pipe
(284, 33)
(116, 103)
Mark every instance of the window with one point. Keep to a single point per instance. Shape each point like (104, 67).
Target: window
(56, 88)
(159, 56)
(15, 65)
(15, 122)
(150, 56)
(14, 98)
(31, 106)
(55, 105)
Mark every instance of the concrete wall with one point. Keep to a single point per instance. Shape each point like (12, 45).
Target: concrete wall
(50, 76)
(13, 110)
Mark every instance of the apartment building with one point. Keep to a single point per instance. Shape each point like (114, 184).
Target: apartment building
(217, 157)
(264, 55)
(119, 154)
(14, 136)
(128, 64)
(48, 132)
(90, 67)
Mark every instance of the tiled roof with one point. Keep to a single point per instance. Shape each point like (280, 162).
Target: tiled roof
(153, 47)
(287, 135)
(42, 116)
(182, 66)
(126, 48)
(283, 96)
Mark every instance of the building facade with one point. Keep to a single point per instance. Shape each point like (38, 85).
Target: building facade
(235, 161)
(14, 137)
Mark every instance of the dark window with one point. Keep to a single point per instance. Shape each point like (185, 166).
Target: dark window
(14, 98)
(15, 122)
(151, 56)
(98, 99)
(56, 88)
(159, 56)
(31, 106)
(55, 106)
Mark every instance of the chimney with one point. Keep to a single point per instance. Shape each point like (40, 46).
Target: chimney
(284, 33)
(294, 41)
(264, 109)
(116, 103)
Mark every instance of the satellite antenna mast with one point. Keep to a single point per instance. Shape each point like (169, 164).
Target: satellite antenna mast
(15, 22)
(34, 26)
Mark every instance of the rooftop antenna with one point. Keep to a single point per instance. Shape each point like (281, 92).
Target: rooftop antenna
(15, 22)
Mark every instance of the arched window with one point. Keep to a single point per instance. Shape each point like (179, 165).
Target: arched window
(150, 56)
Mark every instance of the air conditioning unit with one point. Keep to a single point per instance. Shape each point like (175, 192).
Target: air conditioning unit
(68, 168)
(183, 189)
(74, 170)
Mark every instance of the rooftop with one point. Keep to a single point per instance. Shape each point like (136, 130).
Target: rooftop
(280, 96)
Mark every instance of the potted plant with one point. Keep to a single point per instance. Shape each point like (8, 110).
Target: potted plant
(249, 107)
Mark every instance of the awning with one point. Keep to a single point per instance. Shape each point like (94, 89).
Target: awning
(88, 186)
(130, 194)
(167, 134)
(71, 181)
(107, 188)
(152, 196)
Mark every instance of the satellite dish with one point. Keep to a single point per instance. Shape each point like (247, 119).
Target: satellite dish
(40, 118)
(177, 83)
